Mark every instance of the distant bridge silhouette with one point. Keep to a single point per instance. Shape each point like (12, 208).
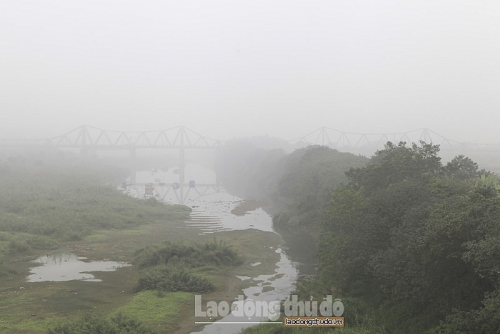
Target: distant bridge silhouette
(359, 142)
(88, 138)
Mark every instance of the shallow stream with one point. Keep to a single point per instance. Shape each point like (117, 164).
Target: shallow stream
(211, 213)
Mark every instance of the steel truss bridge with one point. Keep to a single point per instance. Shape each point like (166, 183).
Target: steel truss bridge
(368, 143)
(88, 139)
(91, 139)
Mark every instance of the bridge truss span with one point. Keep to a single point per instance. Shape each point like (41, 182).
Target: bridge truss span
(88, 137)
(363, 142)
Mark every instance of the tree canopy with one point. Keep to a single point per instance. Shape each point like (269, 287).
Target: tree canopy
(418, 239)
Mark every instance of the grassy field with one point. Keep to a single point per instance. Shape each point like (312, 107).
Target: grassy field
(40, 305)
(43, 209)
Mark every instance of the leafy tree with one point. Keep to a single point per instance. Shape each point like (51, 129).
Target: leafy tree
(343, 252)
(397, 163)
(488, 182)
(462, 168)
(418, 238)
(374, 203)
(305, 187)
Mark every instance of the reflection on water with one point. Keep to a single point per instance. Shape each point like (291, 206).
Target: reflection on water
(167, 185)
(65, 266)
(302, 249)
(211, 213)
(211, 205)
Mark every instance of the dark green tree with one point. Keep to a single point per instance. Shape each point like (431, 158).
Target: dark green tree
(416, 238)
(462, 168)
(396, 163)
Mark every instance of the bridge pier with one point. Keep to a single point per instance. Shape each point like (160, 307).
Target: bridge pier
(182, 165)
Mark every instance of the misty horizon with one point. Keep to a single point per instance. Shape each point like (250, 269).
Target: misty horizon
(229, 69)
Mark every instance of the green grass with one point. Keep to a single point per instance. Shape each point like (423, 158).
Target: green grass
(162, 313)
(216, 253)
(279, 329)
(92, 323)
(71, 203)
(81, 211)
(172, 279)
(68, 301)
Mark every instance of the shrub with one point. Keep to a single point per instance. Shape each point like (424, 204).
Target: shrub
(91, 324)
(17, 247)
(6, 271)
(42, 243)
(216, 253)
(173, 279)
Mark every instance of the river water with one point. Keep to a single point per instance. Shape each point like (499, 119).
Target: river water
(211, 213)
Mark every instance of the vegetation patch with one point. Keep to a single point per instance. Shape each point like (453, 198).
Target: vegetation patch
(417, 240)
(69, 203)
(159, 312)
(410, 244)
(218, 253)
(76, 206)
(6, 271)
(170, 265)
(92, 324)
(163, 278)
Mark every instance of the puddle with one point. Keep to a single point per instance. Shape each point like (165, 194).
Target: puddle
(65, 266)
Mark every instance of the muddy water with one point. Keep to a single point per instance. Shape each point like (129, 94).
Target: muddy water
(211, 213)
(62, 265)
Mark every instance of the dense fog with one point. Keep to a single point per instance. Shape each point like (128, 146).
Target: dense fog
(248, 167)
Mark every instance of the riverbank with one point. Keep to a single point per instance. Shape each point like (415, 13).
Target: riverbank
(45, 208)
(34, 307)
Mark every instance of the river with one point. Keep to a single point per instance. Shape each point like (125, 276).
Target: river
(211, 213)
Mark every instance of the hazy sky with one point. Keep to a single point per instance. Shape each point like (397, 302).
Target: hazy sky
(239, 68)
